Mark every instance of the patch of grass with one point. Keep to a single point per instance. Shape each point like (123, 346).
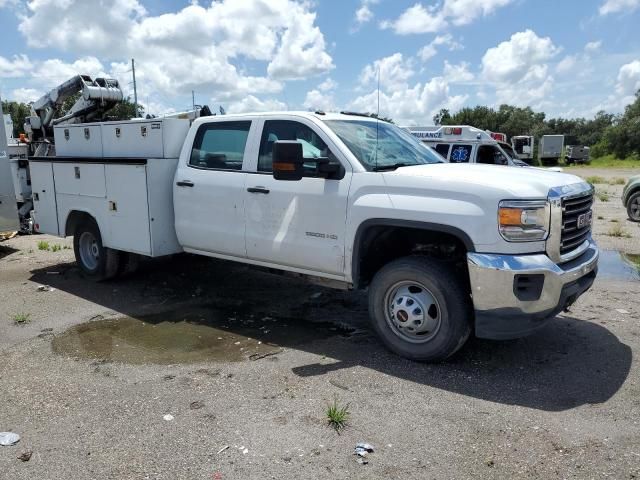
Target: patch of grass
(56, 248)
(43, 245)
(595, 179)
(66, 247)
(609, 161)
(21, 318)
(617, 181)
(603, 196)
(600, 217)
(618, 232)
(614, 220)
(337, 415)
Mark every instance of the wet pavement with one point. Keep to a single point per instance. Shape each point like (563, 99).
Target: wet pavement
(202, 334)
(614, 265)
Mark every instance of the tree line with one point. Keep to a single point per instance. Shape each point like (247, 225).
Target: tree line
(605, 133)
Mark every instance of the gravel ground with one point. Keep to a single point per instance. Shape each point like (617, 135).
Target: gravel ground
(563, 403)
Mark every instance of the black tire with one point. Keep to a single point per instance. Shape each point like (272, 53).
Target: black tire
(104, 262)
(633, 207)
(452, 302)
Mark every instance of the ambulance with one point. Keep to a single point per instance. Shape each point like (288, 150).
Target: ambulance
(464, 144)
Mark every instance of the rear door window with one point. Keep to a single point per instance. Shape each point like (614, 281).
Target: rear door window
(460, 153)
(443, 149)
(220, 145)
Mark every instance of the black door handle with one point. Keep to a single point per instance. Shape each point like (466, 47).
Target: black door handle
(185, 183)
(257, 190)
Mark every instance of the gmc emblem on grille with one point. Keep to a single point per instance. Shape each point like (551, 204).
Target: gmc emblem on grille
(584, 220)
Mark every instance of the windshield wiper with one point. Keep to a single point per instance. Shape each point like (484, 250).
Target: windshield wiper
(393, 166)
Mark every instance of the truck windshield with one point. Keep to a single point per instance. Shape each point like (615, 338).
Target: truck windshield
(387, 149)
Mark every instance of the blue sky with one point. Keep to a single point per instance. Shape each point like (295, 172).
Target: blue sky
(567, 58)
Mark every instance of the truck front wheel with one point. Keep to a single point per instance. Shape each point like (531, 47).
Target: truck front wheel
(95, 260)
(633, 207)
(420, 309)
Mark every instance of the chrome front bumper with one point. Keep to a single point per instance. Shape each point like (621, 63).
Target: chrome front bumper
(513, 295)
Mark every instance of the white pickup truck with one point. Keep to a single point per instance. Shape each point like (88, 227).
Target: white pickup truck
(443, 249)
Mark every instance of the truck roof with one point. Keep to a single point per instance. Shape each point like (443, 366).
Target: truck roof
(451, 133)
(305, 114)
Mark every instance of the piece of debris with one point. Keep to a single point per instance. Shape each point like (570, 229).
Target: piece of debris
(9, 438)
(25, 455)
(45, 288)
(313, 296)
(362, 461)
(362, 449)
(245, 451)
(222, 449)
(52, 273)
(622, 311)
(168, 417)
(196, 405)
(258, 356)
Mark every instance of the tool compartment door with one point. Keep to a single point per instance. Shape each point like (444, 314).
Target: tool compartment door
(44, 197)
(127, 208)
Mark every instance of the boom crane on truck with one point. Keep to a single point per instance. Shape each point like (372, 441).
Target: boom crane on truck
(97, 96)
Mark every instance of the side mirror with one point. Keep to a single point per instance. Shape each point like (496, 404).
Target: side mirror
(287, 160)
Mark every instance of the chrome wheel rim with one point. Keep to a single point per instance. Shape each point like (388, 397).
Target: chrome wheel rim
(634, 208)
(89, 250)
(412, 312)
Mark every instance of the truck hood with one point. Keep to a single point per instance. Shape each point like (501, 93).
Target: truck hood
(517, 182)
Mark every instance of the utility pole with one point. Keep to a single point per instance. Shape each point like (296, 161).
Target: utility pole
(135, 90)
(193, 99)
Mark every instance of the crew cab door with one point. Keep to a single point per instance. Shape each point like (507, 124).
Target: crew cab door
(209, 189)
(300, 224)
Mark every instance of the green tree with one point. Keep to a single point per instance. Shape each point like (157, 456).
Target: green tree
(18, 111)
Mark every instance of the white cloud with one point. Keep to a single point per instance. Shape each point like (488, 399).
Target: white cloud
(317, 100)
(592, 47)
(434, 18)
(25, 95)
(328, 84)
(394, 71)
(457, 73)
(629, 79)
(405, 103)
(615, 6)
(566, 64)
(512, 60)
(364, 13)
(196, 48)
(19, 66)
(253, 104)
(430, 49)
(518, 68)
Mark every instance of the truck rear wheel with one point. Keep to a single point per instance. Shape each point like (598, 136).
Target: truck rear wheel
(95, 260)
(633, 207)
(419, 309)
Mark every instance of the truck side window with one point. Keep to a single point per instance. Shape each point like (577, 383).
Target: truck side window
(490, 155)
(312, 145)
(443, 149)
(220, 145)
(460, 153)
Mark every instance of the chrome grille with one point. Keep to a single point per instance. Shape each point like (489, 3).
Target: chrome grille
(575, 210)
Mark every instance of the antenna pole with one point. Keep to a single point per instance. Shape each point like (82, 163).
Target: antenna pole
(377, 119)
(135, 89)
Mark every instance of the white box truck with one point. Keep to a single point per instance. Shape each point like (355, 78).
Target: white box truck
(8, 207)
(443, 249)
(550, 149)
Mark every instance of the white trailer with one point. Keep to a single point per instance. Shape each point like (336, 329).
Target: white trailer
(523, 146)
(550, 148)
(8, 207)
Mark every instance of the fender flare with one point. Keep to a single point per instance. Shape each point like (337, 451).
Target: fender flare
(392, 222)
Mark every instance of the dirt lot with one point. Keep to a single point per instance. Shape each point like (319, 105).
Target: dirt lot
(90, 376)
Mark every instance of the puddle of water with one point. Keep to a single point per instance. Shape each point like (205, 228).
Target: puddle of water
(197, 335)
(614, 265)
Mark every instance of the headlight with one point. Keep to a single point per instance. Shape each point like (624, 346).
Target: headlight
(523, 220)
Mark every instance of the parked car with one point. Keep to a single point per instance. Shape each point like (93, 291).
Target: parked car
(631, 198)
